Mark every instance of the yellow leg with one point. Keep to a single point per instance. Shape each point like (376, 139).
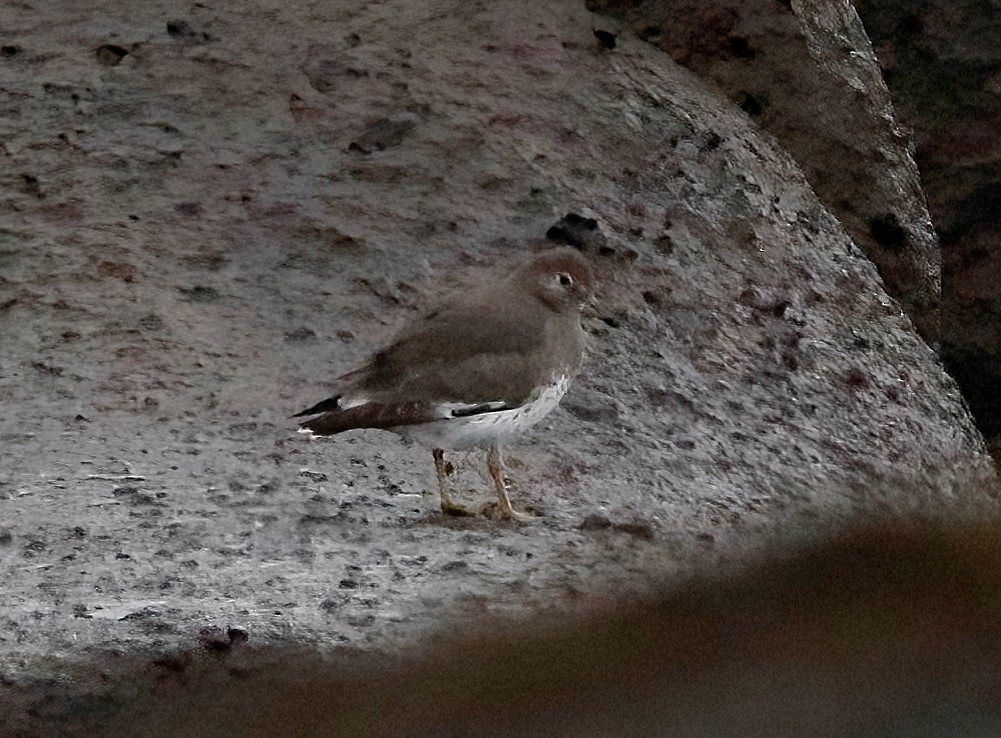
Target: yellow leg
(448, 506)
(495, 465)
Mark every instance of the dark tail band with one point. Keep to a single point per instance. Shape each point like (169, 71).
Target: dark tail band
(324, 406)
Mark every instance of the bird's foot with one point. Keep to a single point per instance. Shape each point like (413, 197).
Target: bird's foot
(454, 508)
(519, 517)
(495, 511)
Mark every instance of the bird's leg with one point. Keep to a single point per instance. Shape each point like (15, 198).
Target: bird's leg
(439, 468)
(448, 506)
(495, 465)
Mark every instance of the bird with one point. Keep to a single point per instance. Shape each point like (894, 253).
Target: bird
(474, 371)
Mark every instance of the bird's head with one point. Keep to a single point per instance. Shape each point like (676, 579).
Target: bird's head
(561, 278)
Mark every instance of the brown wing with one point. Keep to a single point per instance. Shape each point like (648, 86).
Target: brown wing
(462, 353)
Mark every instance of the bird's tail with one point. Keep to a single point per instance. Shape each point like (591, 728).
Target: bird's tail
(323, 406)
(331, 418)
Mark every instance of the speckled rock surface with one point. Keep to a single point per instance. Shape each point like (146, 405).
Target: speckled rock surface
(806, 73)
(209, 213)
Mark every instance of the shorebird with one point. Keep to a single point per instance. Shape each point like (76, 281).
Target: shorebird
(474, 371)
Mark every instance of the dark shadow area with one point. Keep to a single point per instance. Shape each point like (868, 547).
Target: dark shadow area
(942, 64)
(883, 631)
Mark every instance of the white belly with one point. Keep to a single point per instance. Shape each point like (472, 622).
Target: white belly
(486, 428)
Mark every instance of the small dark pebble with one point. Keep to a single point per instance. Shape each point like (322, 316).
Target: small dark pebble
(595, 521)
(180, 29)
(593, 409)
(310, 519)
(605, 38)
(651, 298)
(214, 638)
(199, 293)
(713, 140)
(577, 231)
(133, 495)
(31, 186)
(856, 378)
(381, 135)
(191, 209)
(313, 476)
(151, 322)
(8, 51)
(110, 54)
(348, 584)
(55, 371)
(144, 614)
(664, 244)
(455, 566)
(300, 335)
(640, 529)
(80, 611)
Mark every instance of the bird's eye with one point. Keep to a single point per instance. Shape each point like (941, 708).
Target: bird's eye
(565, 279)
